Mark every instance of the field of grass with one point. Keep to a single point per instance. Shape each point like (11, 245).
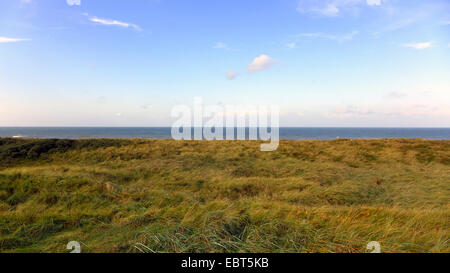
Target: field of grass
(224, 196)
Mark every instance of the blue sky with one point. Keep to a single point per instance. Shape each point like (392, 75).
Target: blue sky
(371, 63)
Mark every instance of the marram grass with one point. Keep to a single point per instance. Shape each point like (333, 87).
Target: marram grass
(224, 196)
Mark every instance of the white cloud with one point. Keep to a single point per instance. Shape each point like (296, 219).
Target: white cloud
(396, 95)
(73, 2)
(339, 38)
(329, 10)
(291, 45)
(373, 2)
(325, 8)
(396, 26)
(261, 63)
(220, 45)
(231, 75)
(350, 111)
(11, 40)
(110, 22)
(419, 45)
(332, 7)
(348, 36)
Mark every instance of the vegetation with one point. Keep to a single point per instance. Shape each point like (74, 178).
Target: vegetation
(224, 196)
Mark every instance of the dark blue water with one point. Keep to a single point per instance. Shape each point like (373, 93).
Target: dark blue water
(164, 132)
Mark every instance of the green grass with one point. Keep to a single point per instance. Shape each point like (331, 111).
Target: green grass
(224, 196)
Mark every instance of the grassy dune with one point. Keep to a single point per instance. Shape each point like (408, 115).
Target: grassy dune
(224, 196)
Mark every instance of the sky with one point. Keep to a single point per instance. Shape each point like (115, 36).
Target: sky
(343, 63)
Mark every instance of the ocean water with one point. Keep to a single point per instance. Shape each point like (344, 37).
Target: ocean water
(165, 132)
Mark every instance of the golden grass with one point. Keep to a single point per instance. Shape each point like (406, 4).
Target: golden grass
(227, 196)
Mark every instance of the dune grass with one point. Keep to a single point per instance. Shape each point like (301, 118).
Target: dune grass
(224, 196)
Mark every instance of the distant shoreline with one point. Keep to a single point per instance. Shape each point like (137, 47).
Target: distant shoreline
(225, 140)
(288, 133)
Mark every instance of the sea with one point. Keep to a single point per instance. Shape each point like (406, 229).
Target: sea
(320, 133)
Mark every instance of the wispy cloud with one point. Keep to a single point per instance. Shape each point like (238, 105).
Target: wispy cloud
(400, 24)
(260, 63)
(350, 111)
(396, 95)
(220, 45)
(339, 38)
(231, 75)
(423, 45)
(332, 8)
(291, 45)
(328, 10)
(111, 22)
(73, 2)
(373, 2)
(11, 40)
